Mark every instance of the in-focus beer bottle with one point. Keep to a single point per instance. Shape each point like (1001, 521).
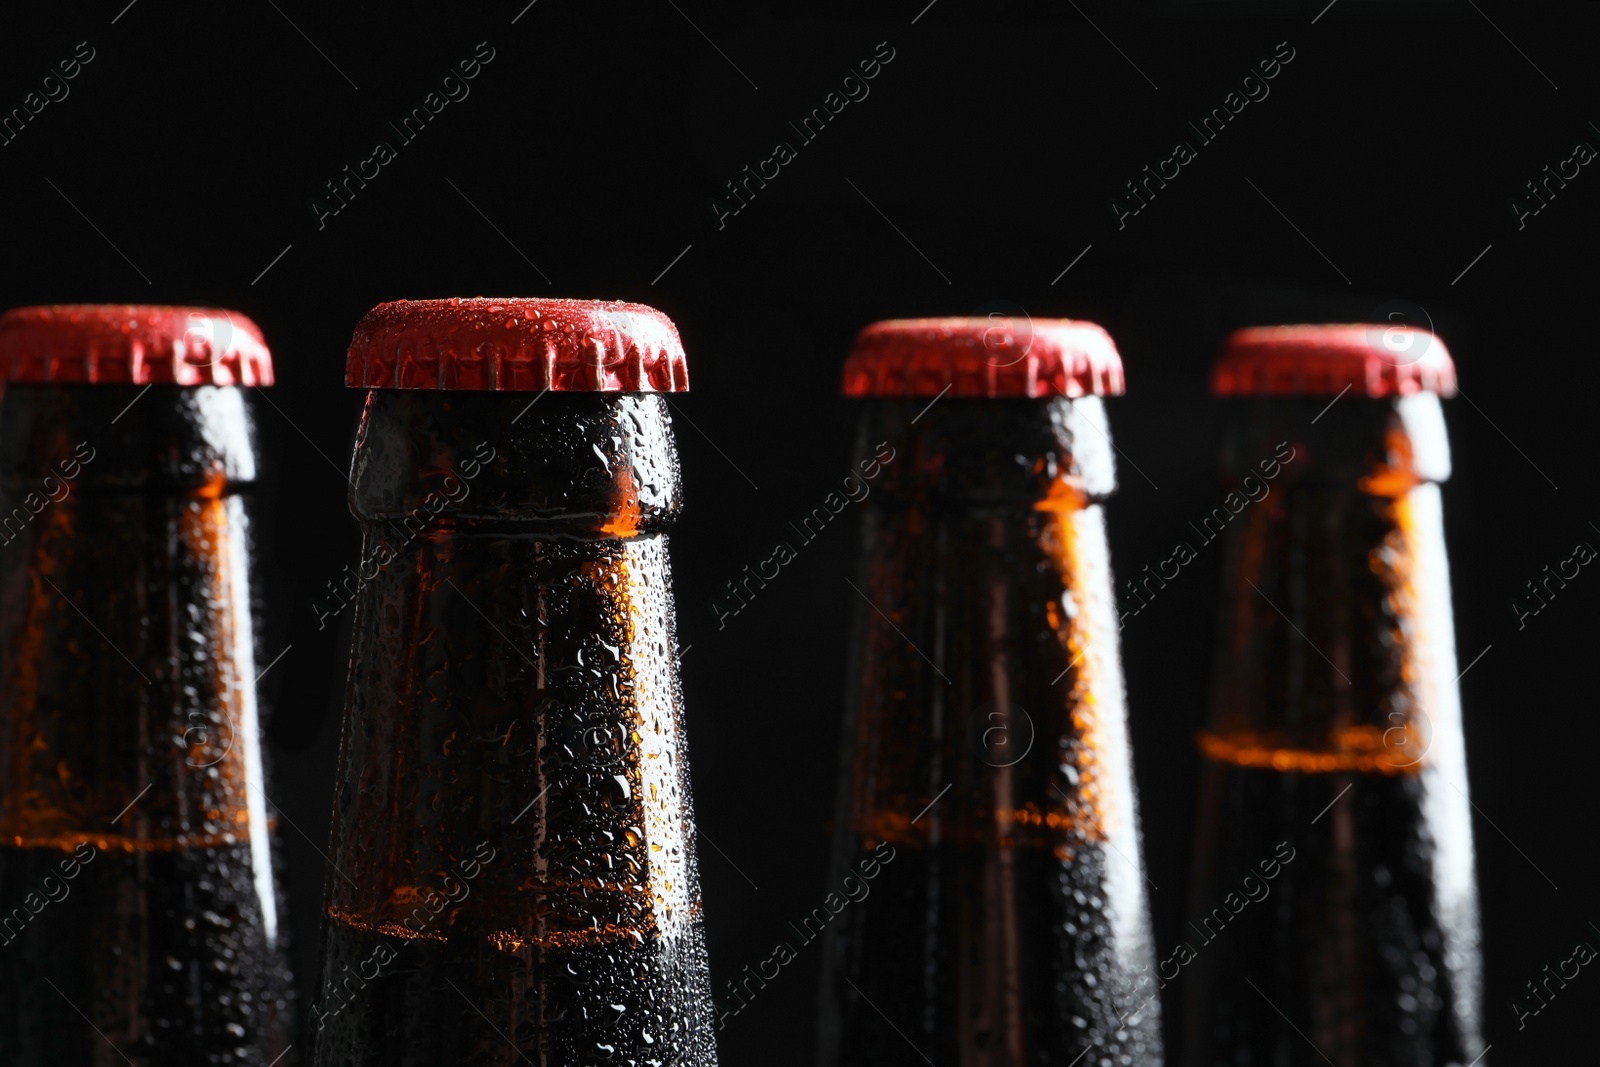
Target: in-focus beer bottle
(987, 805)
(1334, 807)
(514, 877)
(140, 921)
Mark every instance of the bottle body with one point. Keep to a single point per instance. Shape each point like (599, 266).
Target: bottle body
(513, 871)
(1334, 791)
(137, 877)
(986, 773)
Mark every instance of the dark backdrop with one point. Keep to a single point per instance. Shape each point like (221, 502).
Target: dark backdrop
(186, 157)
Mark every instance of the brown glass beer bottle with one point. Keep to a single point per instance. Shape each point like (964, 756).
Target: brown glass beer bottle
(988, 844)
(140, 920)
(1334, 915)
(513, 867)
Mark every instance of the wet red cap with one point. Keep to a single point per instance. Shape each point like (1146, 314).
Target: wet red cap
(132, 344)
(993, 357)
(520, 344)
(1369, 360)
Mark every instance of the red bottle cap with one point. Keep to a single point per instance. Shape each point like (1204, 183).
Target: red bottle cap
(521, 344)
(132, 344)
(1369, 360)
(993, 357)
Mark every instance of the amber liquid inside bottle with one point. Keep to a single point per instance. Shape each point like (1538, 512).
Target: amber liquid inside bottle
(514, 877)
(139, 915)
(1336, 740)
(985, 743)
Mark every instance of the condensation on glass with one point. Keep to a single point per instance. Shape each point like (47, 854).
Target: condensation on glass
(985, 743)
(1335, 739)
(139, 909)
(513, 875)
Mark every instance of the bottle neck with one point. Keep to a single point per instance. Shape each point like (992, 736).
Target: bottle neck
(988, 628)
(162, 439)
(513, 680)
(985, 740)
(1336, 616)
(575, 465)
(127, 637)
(964, 453)
(1378, 447)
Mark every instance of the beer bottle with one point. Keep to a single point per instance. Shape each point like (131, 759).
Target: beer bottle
(513, 868)
(140, 919)
(990, 895)
(1334, 915)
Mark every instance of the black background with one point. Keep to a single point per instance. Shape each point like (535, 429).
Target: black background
(980, 166)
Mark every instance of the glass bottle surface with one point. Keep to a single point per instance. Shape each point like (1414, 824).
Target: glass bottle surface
(985, 746)
(1334, 757)
(513, 869)
(140, 920)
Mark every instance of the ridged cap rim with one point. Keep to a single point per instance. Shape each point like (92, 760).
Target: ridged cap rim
(518, 343)
(132, 344)
(993, 357)
(1326, 360)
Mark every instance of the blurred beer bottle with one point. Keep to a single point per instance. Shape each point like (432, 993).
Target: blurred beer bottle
(514, 877)
(985, 741)
(1334, 756)
(140, 920)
